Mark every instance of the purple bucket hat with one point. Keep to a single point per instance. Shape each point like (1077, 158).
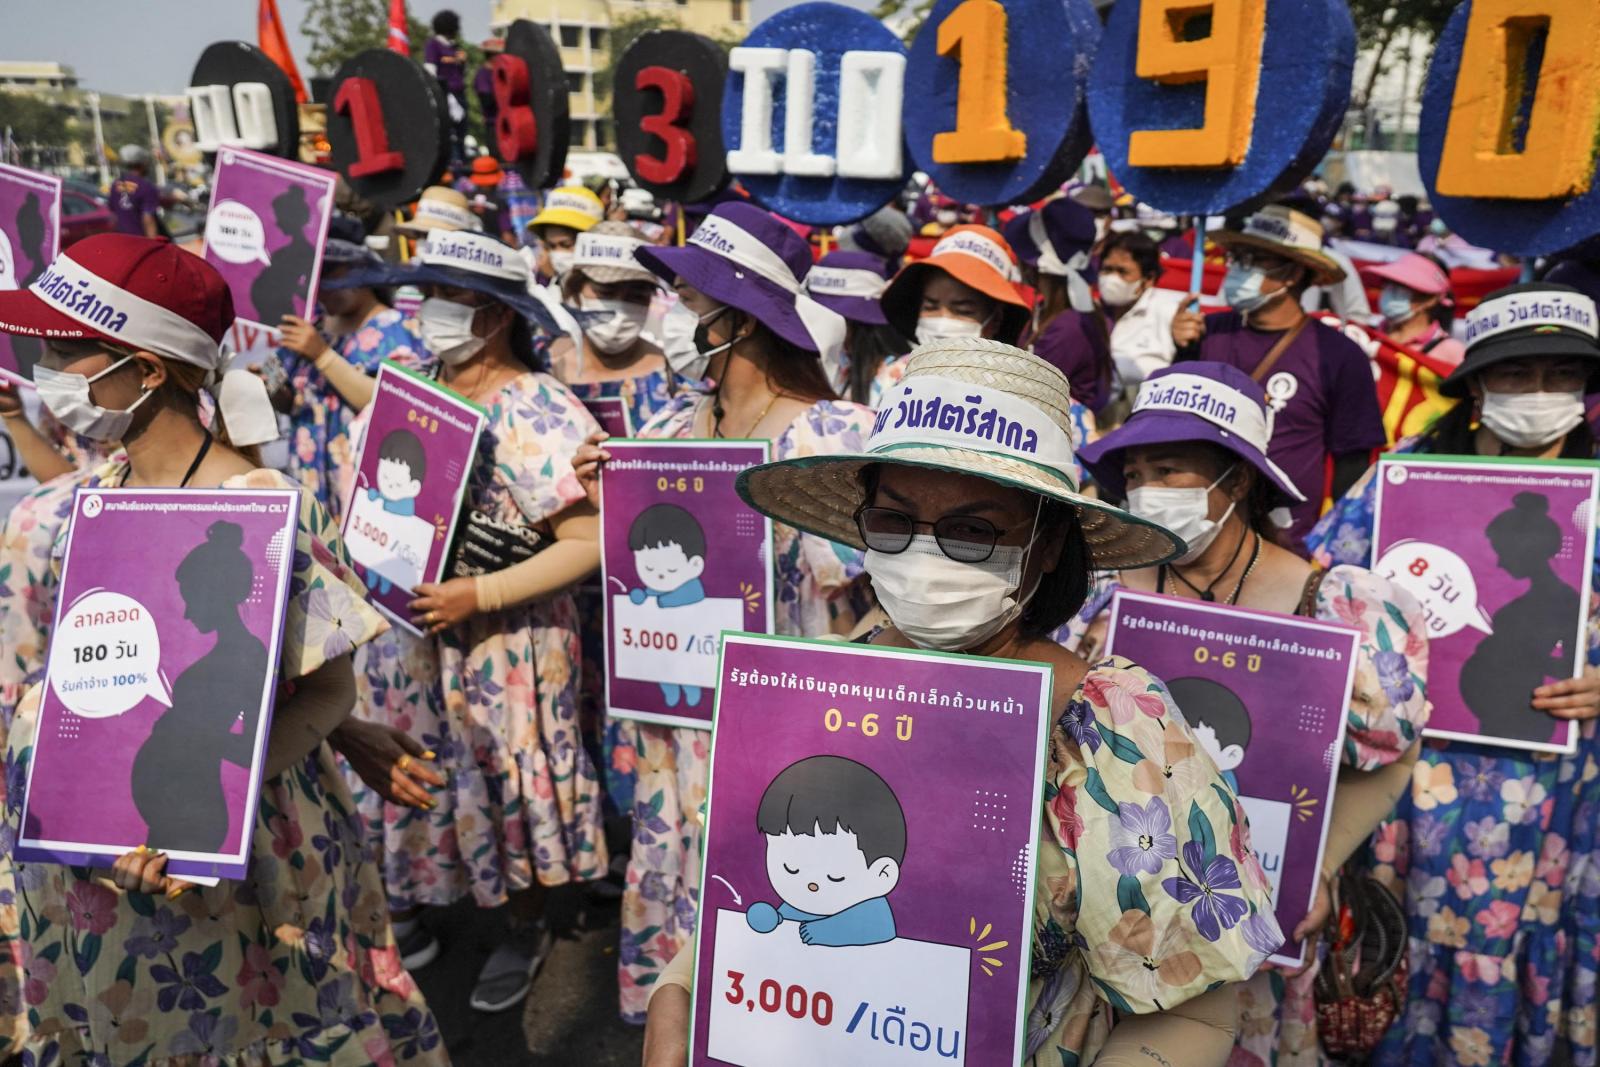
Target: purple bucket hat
(851, 283)
(1065, 225)
(747, 259)
(1210, 402)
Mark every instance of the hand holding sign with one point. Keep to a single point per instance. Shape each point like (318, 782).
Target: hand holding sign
(106, 657)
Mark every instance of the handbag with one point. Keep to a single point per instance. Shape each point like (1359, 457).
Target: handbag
(1361, 988)
(484, 544)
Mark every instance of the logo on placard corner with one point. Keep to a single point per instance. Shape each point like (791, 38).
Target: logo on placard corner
(1398, 474)
(227, 156)
(92, 505)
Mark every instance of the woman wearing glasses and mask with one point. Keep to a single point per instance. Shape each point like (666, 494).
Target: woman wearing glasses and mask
(1192, 457)
(984, 548)
(1503, 964)
(762, 340)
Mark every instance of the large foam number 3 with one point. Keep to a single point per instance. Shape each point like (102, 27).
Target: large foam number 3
(516, 131)
(358, 98)
(1522, 126)
(1227, 60)
(976, 31)
(677, 103)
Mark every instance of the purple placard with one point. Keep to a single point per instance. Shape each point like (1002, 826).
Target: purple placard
(1229, 670)
(265, 231)
(706, 567)
(411, 472)
(30, 237)
(937, 761)
(161, 677)
(1498, 552)
(611, 412)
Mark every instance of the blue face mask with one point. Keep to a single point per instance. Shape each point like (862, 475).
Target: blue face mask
(1241, 289)
(1394, 304)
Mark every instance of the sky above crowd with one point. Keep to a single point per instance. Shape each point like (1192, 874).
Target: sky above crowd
(151, 46)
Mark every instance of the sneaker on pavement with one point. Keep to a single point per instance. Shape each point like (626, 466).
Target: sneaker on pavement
(418, 948)
(508, 973)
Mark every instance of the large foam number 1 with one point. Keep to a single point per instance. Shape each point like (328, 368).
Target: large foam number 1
(516, 132)
(1558, 115)
(976, 30)
(677, 103)
(1228, 61)
(358, 98)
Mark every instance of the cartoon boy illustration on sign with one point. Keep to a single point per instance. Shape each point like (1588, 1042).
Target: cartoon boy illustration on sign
(669, 554)
(836, 836)
(1221, 721)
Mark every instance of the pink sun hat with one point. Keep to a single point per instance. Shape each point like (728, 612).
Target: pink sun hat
(1416, 272)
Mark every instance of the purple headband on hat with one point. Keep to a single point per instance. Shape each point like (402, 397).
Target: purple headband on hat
(851, 283)
(1210, 402)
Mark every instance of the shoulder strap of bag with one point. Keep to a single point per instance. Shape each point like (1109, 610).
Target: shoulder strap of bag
(1276, 352)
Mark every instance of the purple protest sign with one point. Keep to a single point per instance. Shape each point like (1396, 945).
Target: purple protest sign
(930, 768)
(1498, 552)
(411, 472)
(611, 412)
(682, 559)
(30, 237)
(1228, 670)
(161, 677)
(265, 231)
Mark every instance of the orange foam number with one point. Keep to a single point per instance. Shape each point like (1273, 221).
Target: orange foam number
(1480, 156)
(1228, 61)
(976, 30)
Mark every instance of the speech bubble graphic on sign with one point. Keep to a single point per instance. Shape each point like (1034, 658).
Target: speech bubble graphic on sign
(1441, 580)
(235, 234)
(105, 658)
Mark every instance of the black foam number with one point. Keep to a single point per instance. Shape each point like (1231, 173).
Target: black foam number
(531, 86)
(668, 109)
(388, 127)
(238, 96)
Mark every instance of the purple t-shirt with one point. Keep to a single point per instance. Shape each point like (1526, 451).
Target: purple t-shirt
(132, 198)
(1323, 394)
(1076, 345)
(449, 64)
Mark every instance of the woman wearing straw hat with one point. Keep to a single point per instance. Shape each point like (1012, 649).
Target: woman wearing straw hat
(980, 548)
(250, 964)
(1483, 991)
(493, 688)
(1207, 478)
(760, 339)
(326, 382)
(851, 283)
(1415, 305)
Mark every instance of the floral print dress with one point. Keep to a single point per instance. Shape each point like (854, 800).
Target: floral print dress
(1494, 851)
(294, 964)
(815, 592)
(496, 697)
(321, 456)
(1147, 894)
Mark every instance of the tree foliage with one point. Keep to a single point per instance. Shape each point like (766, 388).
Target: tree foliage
(624, 32)
(339, 29)
(32, 121)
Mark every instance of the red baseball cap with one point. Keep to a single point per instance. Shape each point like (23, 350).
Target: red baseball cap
(137, 291)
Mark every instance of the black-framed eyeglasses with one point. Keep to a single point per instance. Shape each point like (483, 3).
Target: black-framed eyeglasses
(963, 538)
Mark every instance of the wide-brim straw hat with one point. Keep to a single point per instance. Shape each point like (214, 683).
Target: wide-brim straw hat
(439, 208)
(605, 254)
(1283, 231)
(968, 406)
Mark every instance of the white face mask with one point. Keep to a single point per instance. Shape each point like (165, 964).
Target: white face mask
(945, 217)
(1117, 291)
(1531, 420)
(617, 324)
(67, 396)
(1183, 511)
(945, 327)
(1241, 289)
(446, 328)
(561, 262)
(687, 362)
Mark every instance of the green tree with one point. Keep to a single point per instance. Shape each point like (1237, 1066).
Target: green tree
(339, 29)
(1380, 23)
(33, 121)
(623, 33)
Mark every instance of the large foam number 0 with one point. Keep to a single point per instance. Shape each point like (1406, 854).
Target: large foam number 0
(677, 103)
(238, 115)
(1227, 60)
(358, 98)
(516, 132)
(1509, 135)
(976, 32)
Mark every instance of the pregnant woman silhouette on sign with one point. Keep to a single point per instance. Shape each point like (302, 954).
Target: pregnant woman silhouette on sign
(177, 775)
(30, 228)
(280, 288)
(1533, 634)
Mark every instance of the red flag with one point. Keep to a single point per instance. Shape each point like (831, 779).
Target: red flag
(399, 33)
(1407, 380)
(275, 43)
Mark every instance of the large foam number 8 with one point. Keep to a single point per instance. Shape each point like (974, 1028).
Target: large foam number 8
(1227, 61)
(516, 131)
(976, 32)
(1501, 143)
(677, 103)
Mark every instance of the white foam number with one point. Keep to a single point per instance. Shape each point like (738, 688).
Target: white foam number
(867, 144)
(240, 116)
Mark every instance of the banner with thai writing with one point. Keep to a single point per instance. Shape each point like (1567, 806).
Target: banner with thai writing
(417, 451)
(682, 559)
(160, 678)
(1498, 551)
(867, 896)
(1267, 696)
(30, 237)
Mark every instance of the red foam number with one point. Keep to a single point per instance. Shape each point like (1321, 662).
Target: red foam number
(516, 130)
(358, 98)
(677, 101)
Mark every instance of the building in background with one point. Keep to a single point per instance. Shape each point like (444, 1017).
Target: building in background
(57, 84)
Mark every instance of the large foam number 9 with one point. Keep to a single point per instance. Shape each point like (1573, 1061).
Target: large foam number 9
(1227, 60)
(976, 32)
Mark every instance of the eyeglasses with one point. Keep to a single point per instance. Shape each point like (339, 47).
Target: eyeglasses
(963, 538)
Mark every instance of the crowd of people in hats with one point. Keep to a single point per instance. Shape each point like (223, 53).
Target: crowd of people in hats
(474, 760)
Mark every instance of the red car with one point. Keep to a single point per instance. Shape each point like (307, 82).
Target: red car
(82, 215)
